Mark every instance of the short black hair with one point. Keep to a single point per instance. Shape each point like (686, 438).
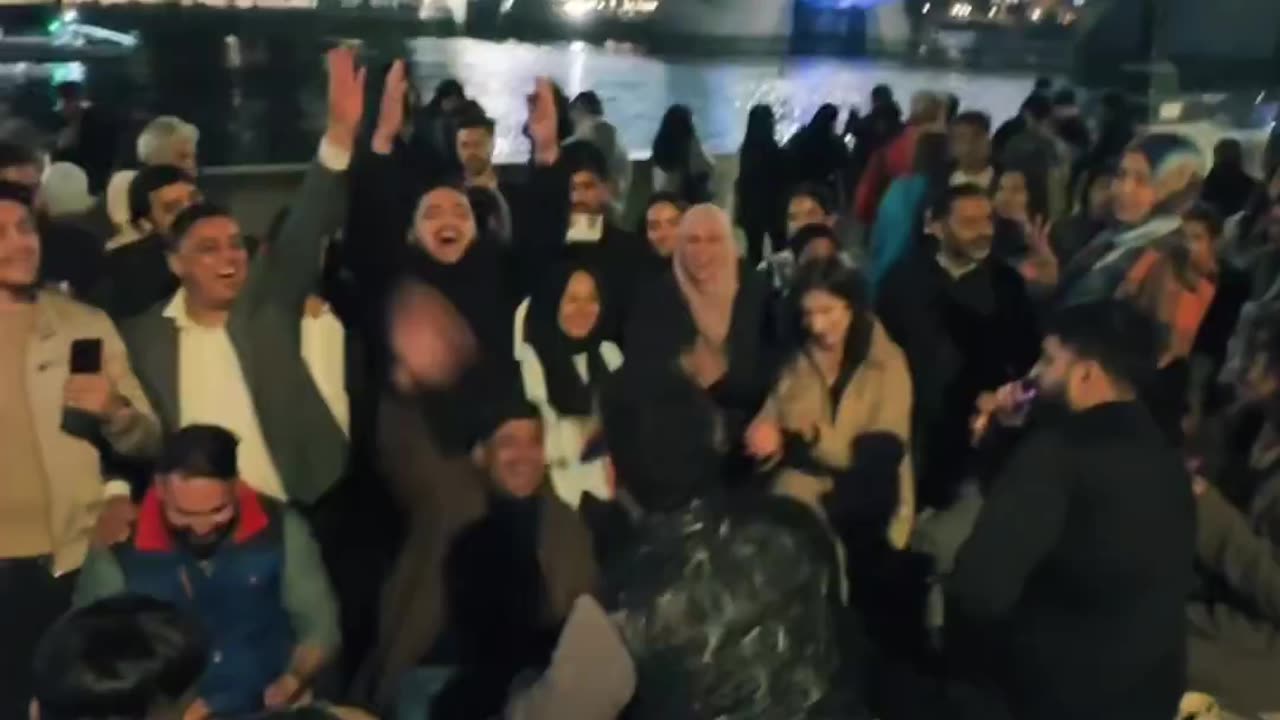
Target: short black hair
(882, 94)
(473, 117)
(665, 196)
(590, 102)
(117, 658)
(14, 154)
(149, 179)
(1125, 341)
(585, 156)
(820, 194)
(192, 215)
(809, 233)
(1064, 97)
(975, 119)
(1038, 107)
(942, 203)
(1206, 215)
(1044, 84)
(16, 193)
(205, 451)
(953, 106)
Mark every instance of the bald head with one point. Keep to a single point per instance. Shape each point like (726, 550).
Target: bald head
(707, 219)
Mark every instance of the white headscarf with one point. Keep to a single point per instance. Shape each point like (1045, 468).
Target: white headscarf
(710, 299)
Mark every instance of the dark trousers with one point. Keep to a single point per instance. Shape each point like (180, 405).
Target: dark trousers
(31, 599)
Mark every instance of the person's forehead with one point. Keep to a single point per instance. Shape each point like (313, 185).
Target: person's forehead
(13, 212)
(216, 226)
(182, 187)
(518, 428)
(198, 493)
(805, 202)
(971, 205)
(445, 196)
(585, 177)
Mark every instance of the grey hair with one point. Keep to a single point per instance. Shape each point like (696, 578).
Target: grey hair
(156, 137)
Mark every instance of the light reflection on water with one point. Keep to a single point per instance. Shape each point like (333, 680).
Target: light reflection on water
(264, 102)
(637, 90)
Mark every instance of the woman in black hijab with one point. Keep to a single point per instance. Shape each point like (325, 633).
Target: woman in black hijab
(565, 362)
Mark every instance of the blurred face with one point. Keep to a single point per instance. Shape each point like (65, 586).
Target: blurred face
(579, 306)
(430, 341)
(1258, 383)
(200, 512)
(182, 153)
(445, 227)
(970, 147)
(705, 245)
(966, 233)
(517, 461)
(26, 175)
(19, 248)
(822, 248)
(169, 201)
(827, 318)
(212, 262)
(1133, 193)
(1011, 198)
(1100, 198)
(475, 150)
(804, 210)
(1203, 247)
(588, 193)
(662, 227)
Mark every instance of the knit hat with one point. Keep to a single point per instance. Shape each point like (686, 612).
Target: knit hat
(65, 190)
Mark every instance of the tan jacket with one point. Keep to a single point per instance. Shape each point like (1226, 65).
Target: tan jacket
(877, 399)
(72, 465)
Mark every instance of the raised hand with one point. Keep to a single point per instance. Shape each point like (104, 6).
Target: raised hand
(346, 97)
(391, 110)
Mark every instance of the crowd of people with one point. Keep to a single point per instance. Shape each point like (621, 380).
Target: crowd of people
(942, 420)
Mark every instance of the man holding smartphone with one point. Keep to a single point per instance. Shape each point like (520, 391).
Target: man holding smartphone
(67, 391)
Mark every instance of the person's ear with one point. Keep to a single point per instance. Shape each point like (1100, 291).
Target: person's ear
(175, 266)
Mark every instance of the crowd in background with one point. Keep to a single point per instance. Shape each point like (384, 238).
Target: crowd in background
(942, 418)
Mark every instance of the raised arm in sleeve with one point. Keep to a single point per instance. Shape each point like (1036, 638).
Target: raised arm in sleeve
(291, 266)
(1019, 524)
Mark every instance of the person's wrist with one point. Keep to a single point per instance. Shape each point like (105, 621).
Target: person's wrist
(547, 154)
(383, 142)
(340, 137)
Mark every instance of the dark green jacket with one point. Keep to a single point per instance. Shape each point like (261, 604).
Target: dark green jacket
(307, 446)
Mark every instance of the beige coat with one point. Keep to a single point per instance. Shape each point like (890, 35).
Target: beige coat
(877, 399)
(72, 465)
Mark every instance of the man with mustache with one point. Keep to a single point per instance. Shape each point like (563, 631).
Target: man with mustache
(966, 324)
(245, 565)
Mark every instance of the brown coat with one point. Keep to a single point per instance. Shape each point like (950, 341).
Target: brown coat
(877, 399)
(441, 497)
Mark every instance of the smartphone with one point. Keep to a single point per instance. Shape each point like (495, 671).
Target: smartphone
(86, 356)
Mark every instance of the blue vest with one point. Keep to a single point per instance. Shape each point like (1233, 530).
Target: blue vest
(237, 596)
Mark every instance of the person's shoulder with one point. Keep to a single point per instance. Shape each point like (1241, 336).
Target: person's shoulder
(71, 314)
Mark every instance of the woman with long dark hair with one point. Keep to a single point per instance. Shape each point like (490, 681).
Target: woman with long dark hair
(846, 388)
(680, 165)
(816, 152)
(759, 188)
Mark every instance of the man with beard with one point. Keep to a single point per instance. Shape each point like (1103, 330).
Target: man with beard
(475, 152)
(966, 324)
(1074, 579)
(244, 564)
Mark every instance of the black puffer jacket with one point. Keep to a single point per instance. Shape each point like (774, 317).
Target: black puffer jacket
(731, 610)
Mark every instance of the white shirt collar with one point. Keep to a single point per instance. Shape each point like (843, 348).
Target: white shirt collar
(176, 311)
